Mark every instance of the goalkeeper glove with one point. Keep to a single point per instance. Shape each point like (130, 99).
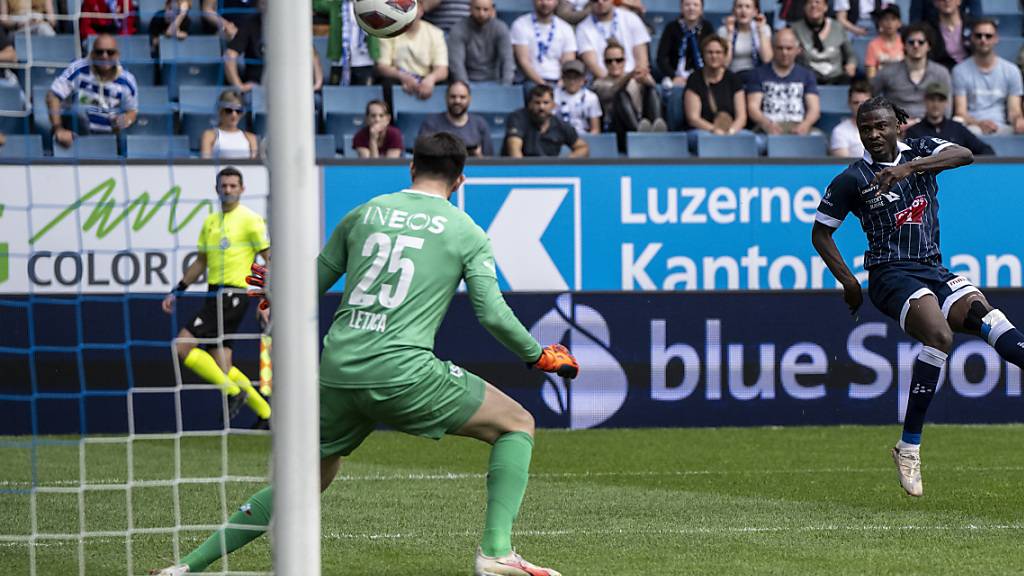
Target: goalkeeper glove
(557, 358)
(258, 280)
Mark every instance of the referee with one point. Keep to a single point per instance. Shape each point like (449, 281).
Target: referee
(228, 244)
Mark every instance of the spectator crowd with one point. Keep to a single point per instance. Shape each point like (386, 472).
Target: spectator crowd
(583, 67)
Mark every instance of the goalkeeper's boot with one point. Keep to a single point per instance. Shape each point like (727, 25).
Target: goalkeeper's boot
(511, 564)
(172, 571)
(908, 467)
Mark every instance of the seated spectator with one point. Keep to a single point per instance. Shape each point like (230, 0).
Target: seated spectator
(541, 41)
(470, 128)
(31, 16)
(445, 13)
(750, 37)
(123, 19)
(348, 46)
(606, 22)
(856, 15)
(887, 47)
(8, 58)
(628, 104)
(986, 88)
(172, 22)
(937, 124)
(903, 83)
(714, 100)
(782, 96)
(224, 16)
(227, 140)
(378, 138)
(679, 47)
(575, 11)
(246, 43)
(951, 34)
(826, 49)
(845, 141)
(416, 59)
(577, 105)
(480, 48)
(535, 131)
(105, 93)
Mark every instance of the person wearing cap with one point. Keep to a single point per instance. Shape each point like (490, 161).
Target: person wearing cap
(227, 140)
(987, 89)
(575, 103)
(536, 131)
(936, 124)
(903, 83)
(472, 129)
(887, 47)
(605, 23)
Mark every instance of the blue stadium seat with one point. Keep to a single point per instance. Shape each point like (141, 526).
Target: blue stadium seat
(15, 113)
(602, 145)
(498, 144)
(22, 147)
(659, 13)
(657, 145)
(198, 111)
(834, 98)
(41, 115)
(326, 149)
(1008, 14)
(346, 147)
(509, 10)
(791, 146)
(410, 111)
(58, 50)
(495, 102)
(156, 112)
(99, 147)
(157, 147)
(1006, 146)
(195, 61)
(258, 101)
(860, 48)
(1009, 46)
(345, 108)
(735, 146)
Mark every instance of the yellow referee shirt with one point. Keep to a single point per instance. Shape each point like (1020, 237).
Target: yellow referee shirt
(231, 241)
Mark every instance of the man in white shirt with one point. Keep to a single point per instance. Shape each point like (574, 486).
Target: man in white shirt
(576, 104)
(541, 41)
(845, 141)
(606, 21)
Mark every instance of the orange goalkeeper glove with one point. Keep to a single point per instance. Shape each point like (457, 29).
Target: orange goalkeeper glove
(557, 358)
(258, 280)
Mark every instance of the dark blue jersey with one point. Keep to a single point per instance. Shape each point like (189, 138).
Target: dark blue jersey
(901, 224)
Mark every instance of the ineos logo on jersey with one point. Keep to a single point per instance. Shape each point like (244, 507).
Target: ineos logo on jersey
(601, 387)
(401, 220)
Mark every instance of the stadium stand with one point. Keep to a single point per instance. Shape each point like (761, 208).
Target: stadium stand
(410, 111)
(195, 61)
(44, 57)
(150, 147)
(345, 108)
(97, 147)
(493, 102)
(657, 145)
(326, 149)
(196, 110)
(790, 146)
(1006, 146)
(601, 145)
(13, 111)
(22, 148)
(156, 112)
(734, 146)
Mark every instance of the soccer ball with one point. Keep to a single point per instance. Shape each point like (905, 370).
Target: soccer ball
(385, 18)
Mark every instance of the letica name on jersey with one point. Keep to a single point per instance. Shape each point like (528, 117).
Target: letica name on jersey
(402, 220)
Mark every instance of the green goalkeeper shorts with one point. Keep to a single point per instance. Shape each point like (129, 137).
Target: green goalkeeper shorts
(437, 405)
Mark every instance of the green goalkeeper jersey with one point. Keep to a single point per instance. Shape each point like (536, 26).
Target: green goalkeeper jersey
(403, 256)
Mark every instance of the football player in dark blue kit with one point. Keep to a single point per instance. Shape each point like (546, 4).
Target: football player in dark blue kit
(893, 192)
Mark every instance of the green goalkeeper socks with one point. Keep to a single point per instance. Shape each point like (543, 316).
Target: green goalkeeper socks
(254, 513)
(507, 475)
(200, 362)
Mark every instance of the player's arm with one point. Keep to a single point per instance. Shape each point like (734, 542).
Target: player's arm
(821, 238)
(944, 157)
(192, 273)
(333, 259)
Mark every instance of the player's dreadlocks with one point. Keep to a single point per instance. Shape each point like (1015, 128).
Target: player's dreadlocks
(881, 102)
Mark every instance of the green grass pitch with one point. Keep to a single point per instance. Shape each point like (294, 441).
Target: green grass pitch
(788, 501)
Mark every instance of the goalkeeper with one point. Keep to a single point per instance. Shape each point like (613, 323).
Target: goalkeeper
(228, 243)
(403, 255)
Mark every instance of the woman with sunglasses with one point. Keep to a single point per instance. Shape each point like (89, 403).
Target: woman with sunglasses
(227, 140)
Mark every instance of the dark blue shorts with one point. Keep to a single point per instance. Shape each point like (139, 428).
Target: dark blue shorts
(893, 286)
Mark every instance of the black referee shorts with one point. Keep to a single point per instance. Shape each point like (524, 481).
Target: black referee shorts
(231, 302)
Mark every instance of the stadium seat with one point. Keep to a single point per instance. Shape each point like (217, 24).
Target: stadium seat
(345, 109)
(326, 149)
(495, 102)
(258, 101)
(1008, 14)
(860, 48)
(509, 10)
(22, 147)
(735, 146)
(1006, 146)
(41, 115)
(54, 50)
(197, 109)
(659, 13)
(99, 147)
(195, 61)
(657, 145)
(346, 147)
(498, 144)
(156, 113)
(834, 106)
(602, 145)
(715, 11)
(15, 113)
(410, 111)
(1009, 46)
(150, 147)
(791, 146)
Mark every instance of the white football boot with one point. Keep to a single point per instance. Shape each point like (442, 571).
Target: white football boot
(908, 467)
(511, 564)
(172, 571)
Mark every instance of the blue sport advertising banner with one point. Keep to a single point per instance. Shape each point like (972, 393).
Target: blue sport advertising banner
(689, 226)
